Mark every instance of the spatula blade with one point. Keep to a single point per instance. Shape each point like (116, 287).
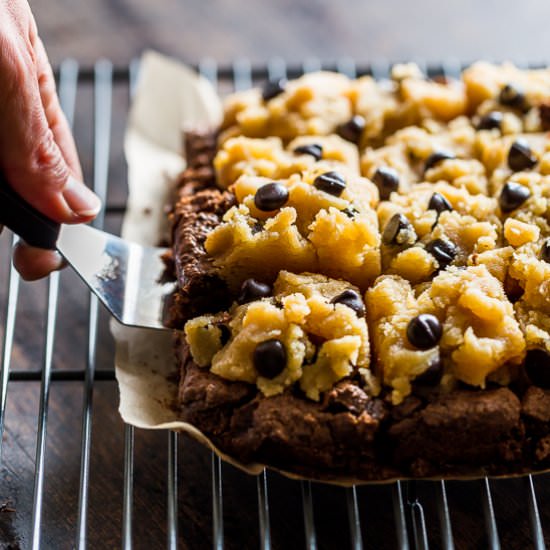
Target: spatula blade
(125, 276)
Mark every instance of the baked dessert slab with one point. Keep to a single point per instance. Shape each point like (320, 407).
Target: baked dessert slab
(363, 276)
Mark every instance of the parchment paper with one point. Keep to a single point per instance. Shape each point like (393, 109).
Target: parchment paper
(169, 97)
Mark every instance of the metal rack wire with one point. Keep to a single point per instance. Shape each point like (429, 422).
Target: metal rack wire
(411, 527)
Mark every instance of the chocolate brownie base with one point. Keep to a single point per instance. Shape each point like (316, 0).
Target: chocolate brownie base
(199, 207)
(349, 435)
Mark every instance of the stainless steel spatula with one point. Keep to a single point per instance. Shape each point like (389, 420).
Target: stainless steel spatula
(125, 276)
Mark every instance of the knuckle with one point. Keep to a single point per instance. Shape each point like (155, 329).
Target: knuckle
(49, 162)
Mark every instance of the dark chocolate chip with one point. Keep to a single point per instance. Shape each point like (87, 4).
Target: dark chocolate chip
(270, 358)
(257, 227)
(537, 365)
(351, 299)
(512, 196)
(513, 96)
(352, 129)
(387, 181)
(424, 331)
(439, 203)
(520, 156)
(395, 228)
(332, 183)
(544, 114)
(443, 251)
(253, 290)
(313, 149)
(225, 334)
(272, 88)
(437, 157)
(271, 196)
(545, 251)
(350, 212)
(431, 376)
(490, 120)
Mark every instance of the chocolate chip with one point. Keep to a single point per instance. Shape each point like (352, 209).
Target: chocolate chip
(272, 88)
(257, 227)
(271, 196)
(332, 183)
(544, 114)
(225, 334)
(490, 120)
(431, 376)
(436, 158)
(351, 299)
(439, 203)
(512, 196)
(269, 358)
(252, 290)
(387, 181)
(537, 366)
(520, 156)
(352, 129)
(545, 251)
(443, 251)
(313, 149)
(396, 230)
(513, 96)
(350, 212)
(424, 331)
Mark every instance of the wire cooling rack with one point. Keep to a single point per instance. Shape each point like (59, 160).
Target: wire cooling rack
(402, 515)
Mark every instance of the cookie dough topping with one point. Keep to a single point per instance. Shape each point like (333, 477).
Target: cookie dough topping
(430, 197)
(312, 331)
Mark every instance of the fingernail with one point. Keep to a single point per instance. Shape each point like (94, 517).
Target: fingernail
(81, 200)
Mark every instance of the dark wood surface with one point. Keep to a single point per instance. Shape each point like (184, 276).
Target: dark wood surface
(224, 30)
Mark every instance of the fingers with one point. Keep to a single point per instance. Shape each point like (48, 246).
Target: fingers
(37, 152)
(52, 109)
(35, 263)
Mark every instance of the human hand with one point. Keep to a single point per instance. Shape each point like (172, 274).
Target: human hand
(37, 152)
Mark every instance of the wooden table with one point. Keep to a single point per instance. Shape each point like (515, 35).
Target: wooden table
(224, 30)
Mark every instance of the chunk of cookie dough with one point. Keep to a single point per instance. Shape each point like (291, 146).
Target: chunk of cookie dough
(269, 158)
(430, 153)
(478, 331)
(324, 222)
(506, 85)
(314, 104)
(530, 269)
(317, 323)
(447, 239)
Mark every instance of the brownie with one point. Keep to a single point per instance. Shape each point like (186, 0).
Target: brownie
(436, 417)
(199, 207)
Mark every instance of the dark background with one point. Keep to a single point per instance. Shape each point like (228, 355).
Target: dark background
(224, 30)
(296, 29)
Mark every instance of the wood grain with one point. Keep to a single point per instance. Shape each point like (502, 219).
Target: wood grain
(224, 29)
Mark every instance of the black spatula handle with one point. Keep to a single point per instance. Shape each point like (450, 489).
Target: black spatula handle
(24, 220)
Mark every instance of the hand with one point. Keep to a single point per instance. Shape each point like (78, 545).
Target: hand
(37, 151)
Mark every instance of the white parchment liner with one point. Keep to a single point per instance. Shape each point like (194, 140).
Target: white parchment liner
(169, 97)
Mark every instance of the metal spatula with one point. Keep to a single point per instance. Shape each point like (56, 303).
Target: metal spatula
(125, 276)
